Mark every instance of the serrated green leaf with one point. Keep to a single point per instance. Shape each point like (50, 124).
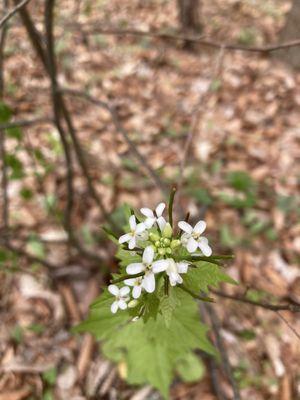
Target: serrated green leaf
(168, 304)
(190, 368)
(127, 257)
(149, 349)
(206, 274)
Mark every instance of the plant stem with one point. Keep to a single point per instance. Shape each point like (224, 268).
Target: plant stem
(171, 201)
(195, 296)
(122, 278)
(166, 285)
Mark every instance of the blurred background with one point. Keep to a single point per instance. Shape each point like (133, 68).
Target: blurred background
(93, 114)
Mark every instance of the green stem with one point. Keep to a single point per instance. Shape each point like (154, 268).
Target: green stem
(122, 278)
(195, 296)
(171, 201)
(192, 258)
(166, 285)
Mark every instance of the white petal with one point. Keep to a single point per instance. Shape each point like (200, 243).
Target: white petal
(134, 268)
(161, 222)
(192, 245)
(122, 304)
(184, 238)
(182, 267)
(136, 292)
(130, 282)
(140, 228)
(125, 238)
(147, 212)
(149, 282)
(124, 291)
(185, 227)
(113, 289)
(114, 307)
(148, 255)
(159, 266)
(132, 222)
(149, 222)
(173, 278)
(160, 209)
(132, 243)
(200, 227)
(204, 247)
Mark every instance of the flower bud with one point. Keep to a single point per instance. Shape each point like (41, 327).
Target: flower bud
(133, 303)
(168, 250)
(161, 251)
(157, 243)
(153, 237)
(175, 243)
(167, 232)
(167, 241)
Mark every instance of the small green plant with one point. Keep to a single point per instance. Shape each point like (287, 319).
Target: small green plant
(148, 318)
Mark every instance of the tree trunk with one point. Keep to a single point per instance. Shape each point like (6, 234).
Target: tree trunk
(189, 15)
(291, 31)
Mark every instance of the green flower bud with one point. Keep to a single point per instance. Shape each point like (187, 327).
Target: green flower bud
(153, 236)
(169, 250)
(133, 303)
(161, 251)
(167, 232)
(167, 241)
(175, 243)
(157, 243)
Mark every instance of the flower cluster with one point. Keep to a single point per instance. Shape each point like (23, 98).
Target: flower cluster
(162, 253)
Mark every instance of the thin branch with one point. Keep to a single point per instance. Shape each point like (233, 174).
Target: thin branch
(26, 122)
(202, 40)
(216, 326)
(196, 115)
(4, 179)
(56, 104)
(12, 12)
(37, 44)
(120, 129)
(272, 307)
(288, 324)
(51, 64)
(31, 258)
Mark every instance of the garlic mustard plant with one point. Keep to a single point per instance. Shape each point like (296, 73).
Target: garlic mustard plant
(148, 317)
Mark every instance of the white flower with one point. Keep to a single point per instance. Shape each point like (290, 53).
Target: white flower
(149, 267)
(137, 286)
(192, 238)
(153, 217)
(136, 231)
(121, 297)
(174, 269)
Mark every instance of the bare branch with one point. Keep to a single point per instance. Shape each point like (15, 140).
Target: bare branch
(216, 326)
(202, 40)
(196, 116)
(120, 129)
(13, 11)
(62, 108)
(26, 122)
(288, 324)
(4, 180)
(272, 307)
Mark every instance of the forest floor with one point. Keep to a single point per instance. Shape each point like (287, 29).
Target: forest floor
(242, 169)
